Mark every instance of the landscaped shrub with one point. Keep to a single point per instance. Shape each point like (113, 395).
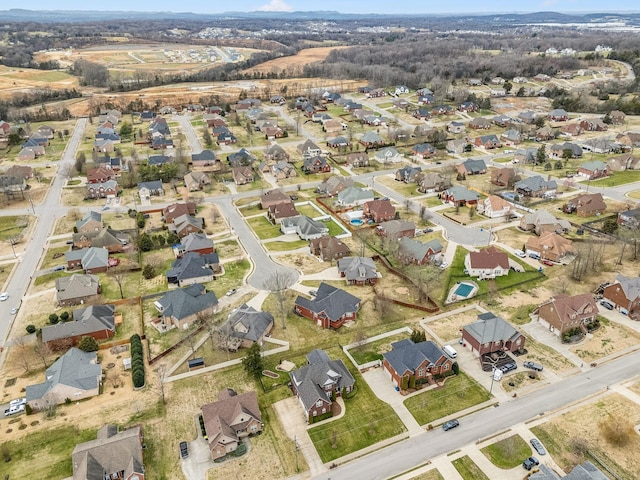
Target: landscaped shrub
(137, 361)
(31, 329)
(241, 450)
(64, 316)
(53, 319)
(455, 368)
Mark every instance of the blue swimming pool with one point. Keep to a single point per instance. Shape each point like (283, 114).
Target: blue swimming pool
(356, 221)
(463, 290)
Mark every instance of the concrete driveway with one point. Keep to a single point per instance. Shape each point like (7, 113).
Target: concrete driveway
(196, 466)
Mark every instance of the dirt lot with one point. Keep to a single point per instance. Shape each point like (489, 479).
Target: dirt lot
(304, 262)
(609, 338)
(448, 328)
(295, 63)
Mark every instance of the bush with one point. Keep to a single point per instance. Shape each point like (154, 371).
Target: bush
(149, 271)
(64, 316)
(455, 368)
(137, 361)
(53, 319)
(88, 344)
(617, 430)
(31, 329)
(138, 378)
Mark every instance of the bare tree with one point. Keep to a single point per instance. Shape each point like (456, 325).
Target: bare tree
(162, 372)
(23, 356)
(43, 351)
(279, 283)
(118, 275)
(190, 338)
(215, 214)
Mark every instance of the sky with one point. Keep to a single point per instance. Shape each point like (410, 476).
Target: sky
(345, 6)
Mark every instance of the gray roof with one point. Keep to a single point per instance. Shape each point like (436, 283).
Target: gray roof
(575, 149)
(203, 155)
(317, 356)
(584, 471)
(416, 249)
(371, 137)
(85, 321)
(333, 182)
(333, 301)
(474, 166)
(90, 216)
(247, 323)
(630, 286)
(191, 265)
(408, 356)
(535, 184)
(460, 193)
(357, 268)
(393, 227)
(183, 302)
(305, 226)
(196, 241)
(543, 217)
(310, 379)
(77, 286)
(154, 185)
(594, 165)
(183, 220)
(354, 194)
(489, 328)
(76, 369)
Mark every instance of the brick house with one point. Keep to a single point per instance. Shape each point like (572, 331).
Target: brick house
(503, 177)
(412, 251)
(173, 211)
(76, 289)
(97, 321)
(624, 293)
(414, 363)
(491, 334)
(99, 175)
(316, 165)
(396, 229)
(242, 175)
(459, 195)
(592, 170)
(487, 263)
(181, 307)
(562, 313)
(274, 197)
(549, 246)
(586, 205)
(328, 248)
(277, 213)
(102, 190)
(330, 308)
(487, 141)
(472, 167)
(358, 270)
(379, 210)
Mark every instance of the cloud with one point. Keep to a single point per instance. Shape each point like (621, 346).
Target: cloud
(275, 6)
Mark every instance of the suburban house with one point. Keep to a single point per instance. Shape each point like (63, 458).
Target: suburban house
(512, 137)
(358, 270)
(185, 225)
(549, 246)
(558, 115)
(592, 170)
(544, 134)
(282, 170)
(624, 293)
(77, 288)
(558, 150)
(99, 175)
(192, 268)
(91, 260)
(241, 158)
(334, 185)
(472, 167)
(328, 248)
(503, 177)
(455, 127)
(317, 382)
(411, 251)
(181, 307)
(107, 238)
(487, 263)
(112, 455)
(584, 471)
(409, 363)
(194, 242)
(372, 140)
(205, 160)
(542, 221)
(102, 190)
(354, 196)
(330, 308)
(630, 218)
(395, 229)
(563, 313)
(20, 171)
(358, 159)
(495, 207)
(306, 228)
(388, 155)
(585, 205)
(458, 146)
(316, 165)
(196, 180)
(229, 420)
(175, 210)
(244, 327)
(378, 210)
(432, 182)
(424, 150)
(594, 125)
(97, 321)
(146, 190)
(276, 153)
(536, 186)
(408, 174)
(76, 375)
(91, 222)
(308, 149)
(491, 334)
(571, 130)
(274, 197)
(459, 196)
(617, 117)
(487, 141)
(626, 161)
(277, 213)
(480, 123)
(339, 142)
(242, 175)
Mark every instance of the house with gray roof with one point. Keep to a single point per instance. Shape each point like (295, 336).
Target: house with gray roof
(388, 155)
(536, 186)
(395, 229)
(196, 180)
(584, 471)
(186, 224)
(487, 141)
(624, 294)
(459, 195)
(97, 321)
(593, 169)
(244, 327)
(432, 182)
(241, 158)
(491, 334)
(181, 307)
(330, 308)
(411, 251)
(372, 140)
(315, 383)
(91, 260)
(412, 364)
(308, 149)
(306, 228)
(112, 454)
(630, 218)
(334, 185)
(194, 242)
(353, 196)
(541, 221)
(408, 174)
(358, 270)
(150, 189)
(192, 268)
(91, 222)
(557, 150)
(472, 167)
(75, 375)
(558, 115)
(107, 238)
(526, 155)
(77, 288)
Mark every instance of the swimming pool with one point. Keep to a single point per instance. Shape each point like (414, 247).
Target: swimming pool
(356, 221)
(463, 290)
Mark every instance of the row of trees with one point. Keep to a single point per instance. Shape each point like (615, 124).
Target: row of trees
(137, 361)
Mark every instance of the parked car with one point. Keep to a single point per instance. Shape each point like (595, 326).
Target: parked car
(444, 265)
(59, 268)
(184, 450)
(4, 296)
(428, 230)
(520, 253)
(231, 292)
(18, 401)
(313, 293)
(14, 410)
(14, 310)
(535, 256)
(446, 426)
(507, 367)
(530, 462)
(604, 303)
(533, 365)
(293, 197)
(546, 262)
(535, 443)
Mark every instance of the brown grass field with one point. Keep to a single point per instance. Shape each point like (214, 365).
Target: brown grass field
(295, 63)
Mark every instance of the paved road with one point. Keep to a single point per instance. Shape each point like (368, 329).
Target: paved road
(418, 449)
(189, 132)
(46, 214)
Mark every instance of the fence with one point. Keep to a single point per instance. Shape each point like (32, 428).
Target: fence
(373, 363)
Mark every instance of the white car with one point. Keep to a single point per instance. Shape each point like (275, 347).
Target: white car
(14, 310)
(520, 253)
(4, 296)
(231, 292)
(17, 402)
(444, 265)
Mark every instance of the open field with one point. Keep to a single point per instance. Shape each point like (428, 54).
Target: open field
(294, 64)
(20, 80)
(609, 338)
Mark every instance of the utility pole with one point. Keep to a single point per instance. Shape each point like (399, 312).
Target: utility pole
(295, 450)
(32, 207)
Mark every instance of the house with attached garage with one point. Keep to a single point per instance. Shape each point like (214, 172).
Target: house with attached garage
(354, 196)
(91, 260)
(536, 186)
(276, 153)
(242, 175)
(379, 210)
(102, 190)
(372, 140)
(330, 308)
(308, 149)
(424, 150)
(112, 240)
(410, 364)
(491, 334)
(274, 197)
(318, 381)
(472, 167)
(206, 160)
(558, 115)
(277, 213)
(306, 228)
(194, 242)
(357, 159)
(480, 123)
(91, 222)
(112, 455)
(408, 174)
(496, 207)
(562, 313)
(76, 375)
(328, 248)
(316, 165)
(192, 268)
(229, 420)
(624, 293)
(76, 289)
(432, 182)
(504, 177)
(388, 155)
(487, 263)
(542, 221)
(630, 218)
(592, 170)
(459, 146)
(244, 327)
(181, 307)
(97, 321)
(358, 270)
(411, 251)
(396, 229)
(460, 196)
(185, 225)
(196, 180)
(146, 190)
(557, 150)
(549, 246)
(487, 141)
(585, 205)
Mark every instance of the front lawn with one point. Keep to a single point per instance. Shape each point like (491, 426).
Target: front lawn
(234, 272)
(458, 393)
(507, 453)
(55, 257)
(468, 469)
(263, 228)
(277, 246)
(374, 350)
(618, 178)
(12, 226)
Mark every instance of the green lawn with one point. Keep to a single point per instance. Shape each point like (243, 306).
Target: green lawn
(458, 393)
(334, 228)
(374, 350)
(285, 246)
(507, 453)
(468, 469)
(263, 228)
(618, 178)
(367, 421)
(234, 272)
(308, 210)
(49, 261)
(10, 226)
(430, 475)
(43, 454)
(49, 277)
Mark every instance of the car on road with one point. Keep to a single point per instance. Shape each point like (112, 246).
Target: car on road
(18, 401)
(520, 253)
(14, 410)
(530, 462)
(14, 310)
(607, 305)
(231, 292)
(184, 450)
(4, 296)
(535, 443)
(446, 426)
(106, 207)
(533, 365)
(546, 262)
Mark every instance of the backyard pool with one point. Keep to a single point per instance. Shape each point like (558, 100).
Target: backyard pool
(463, 290)
(356, 221)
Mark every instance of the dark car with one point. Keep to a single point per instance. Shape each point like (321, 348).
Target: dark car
(184, 450)
(535, 443)
(507, 367)
(446, 426)
(533, 365)
(530, 462)
(607, 305)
